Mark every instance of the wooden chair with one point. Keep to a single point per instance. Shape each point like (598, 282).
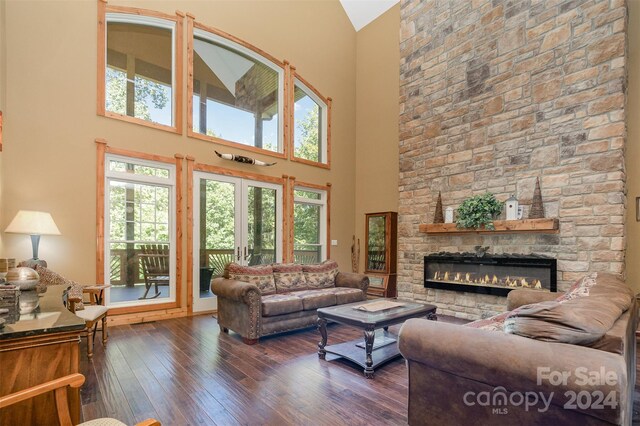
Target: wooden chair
(59, 389)
(155, 267)
(219, 261)
(92, 313)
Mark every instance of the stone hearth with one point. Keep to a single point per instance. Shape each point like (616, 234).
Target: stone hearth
(494, 94)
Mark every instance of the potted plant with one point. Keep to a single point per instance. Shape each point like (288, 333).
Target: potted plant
(479, 211)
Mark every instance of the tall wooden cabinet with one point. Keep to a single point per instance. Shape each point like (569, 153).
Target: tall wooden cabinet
(381, 259)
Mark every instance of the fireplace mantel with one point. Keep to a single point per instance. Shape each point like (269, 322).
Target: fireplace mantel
(547, 226)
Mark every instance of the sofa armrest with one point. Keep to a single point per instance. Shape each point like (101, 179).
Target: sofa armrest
(523, 296)
(238, 291)
(239, 307)
(512, 362)
(352, 280)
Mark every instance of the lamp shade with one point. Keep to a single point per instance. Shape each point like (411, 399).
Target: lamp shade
(33, 223)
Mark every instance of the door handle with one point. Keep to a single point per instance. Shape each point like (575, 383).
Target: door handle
(246, 254)
(238, 256)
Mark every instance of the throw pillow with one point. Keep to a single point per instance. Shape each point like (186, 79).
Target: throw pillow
(48, 277)
(322, 275)
(260, 275)
(289, 277)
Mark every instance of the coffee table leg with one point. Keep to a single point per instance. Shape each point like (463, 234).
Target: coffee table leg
(322, 327)
(369, 336)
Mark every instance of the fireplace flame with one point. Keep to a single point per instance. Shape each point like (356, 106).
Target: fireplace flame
(494, 280)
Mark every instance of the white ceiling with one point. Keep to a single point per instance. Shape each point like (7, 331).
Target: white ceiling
(362, 12)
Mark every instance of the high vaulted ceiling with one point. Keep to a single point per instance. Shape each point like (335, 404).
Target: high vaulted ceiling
(362, 12)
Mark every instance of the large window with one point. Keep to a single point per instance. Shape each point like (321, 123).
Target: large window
(310, 225)
(310, 133)
(237, 95)
(139, 231)
(141, 63)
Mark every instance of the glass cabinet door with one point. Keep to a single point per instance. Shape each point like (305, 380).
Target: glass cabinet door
(376, 235)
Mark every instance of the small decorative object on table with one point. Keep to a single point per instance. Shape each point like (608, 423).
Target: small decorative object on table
(511, 208)
(479, 211)
(439, 217)
(9, 296)
(537, 208)
(24, 278)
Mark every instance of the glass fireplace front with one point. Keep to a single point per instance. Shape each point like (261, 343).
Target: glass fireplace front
(489, 274)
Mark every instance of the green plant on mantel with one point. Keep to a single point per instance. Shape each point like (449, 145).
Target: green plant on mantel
(479, 211)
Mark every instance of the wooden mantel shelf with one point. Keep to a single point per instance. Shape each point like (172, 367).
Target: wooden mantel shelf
(546, 226)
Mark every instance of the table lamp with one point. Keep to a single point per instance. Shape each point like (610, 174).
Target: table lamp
(35, 224)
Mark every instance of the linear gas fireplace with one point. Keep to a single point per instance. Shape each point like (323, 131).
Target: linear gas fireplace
(489, 274)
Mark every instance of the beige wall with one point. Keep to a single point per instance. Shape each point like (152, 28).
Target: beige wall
(49, 157)
(633, 147)
(377, 111)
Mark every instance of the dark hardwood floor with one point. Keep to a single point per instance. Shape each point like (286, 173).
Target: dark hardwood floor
(184, 371)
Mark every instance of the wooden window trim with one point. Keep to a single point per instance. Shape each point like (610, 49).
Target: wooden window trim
(291, 189)
(191, 24)
(0, 131)
(327, 101)
(178, 18)
(102, 149)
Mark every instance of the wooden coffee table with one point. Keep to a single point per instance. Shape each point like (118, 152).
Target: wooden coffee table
(377, 348)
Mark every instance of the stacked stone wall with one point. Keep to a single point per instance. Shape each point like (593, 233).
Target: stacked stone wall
(494, 94)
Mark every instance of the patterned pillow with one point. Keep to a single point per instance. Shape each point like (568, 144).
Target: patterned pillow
(260, 275)
(579, 288)
(322, 275)
(48, 277)
(289, 277)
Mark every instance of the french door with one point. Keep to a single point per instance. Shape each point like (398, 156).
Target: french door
(234, 220)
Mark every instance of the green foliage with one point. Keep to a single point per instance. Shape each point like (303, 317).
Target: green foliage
(116, 94)
(479, 211)
(308, 126)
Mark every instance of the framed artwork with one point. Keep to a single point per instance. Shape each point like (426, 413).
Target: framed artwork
(637, 209)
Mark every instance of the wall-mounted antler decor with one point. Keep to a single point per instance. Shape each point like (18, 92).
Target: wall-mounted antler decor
(243, 159)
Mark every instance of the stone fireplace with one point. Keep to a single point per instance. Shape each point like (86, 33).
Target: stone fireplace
(494, 94)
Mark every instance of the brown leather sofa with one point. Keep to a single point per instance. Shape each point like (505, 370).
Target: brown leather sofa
(243, 309)
(479, 375)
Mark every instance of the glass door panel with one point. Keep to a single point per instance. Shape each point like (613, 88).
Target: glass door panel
(235, 220)
(216, 239)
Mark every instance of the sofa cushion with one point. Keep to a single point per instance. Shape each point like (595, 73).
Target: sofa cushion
(279, 304)
(288, 277)
(322, 275)
(347, 295)
(314, 299)
(260, 275)
(581, 317)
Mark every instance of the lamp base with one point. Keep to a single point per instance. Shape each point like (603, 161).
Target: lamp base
(32, 263)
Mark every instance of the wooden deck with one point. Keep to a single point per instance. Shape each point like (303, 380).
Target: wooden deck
(184, 371)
